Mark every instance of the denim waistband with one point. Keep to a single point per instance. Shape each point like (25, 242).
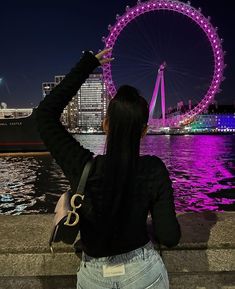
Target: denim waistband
(139, 253)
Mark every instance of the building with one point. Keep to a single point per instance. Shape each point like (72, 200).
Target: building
(46, 89)
(214, 123)
(87, 109)
(221, 108)
(217, 118)
(92, 103)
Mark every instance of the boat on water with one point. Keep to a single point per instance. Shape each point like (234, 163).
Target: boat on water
(18, 132)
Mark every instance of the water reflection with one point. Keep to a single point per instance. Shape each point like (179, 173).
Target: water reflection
(29, 184)
(202, 170)
(200, 166)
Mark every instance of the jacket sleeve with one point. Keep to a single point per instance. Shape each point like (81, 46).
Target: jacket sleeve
(166, 229)
(67, 152)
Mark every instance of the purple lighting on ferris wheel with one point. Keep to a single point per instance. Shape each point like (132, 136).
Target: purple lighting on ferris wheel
(181, 8)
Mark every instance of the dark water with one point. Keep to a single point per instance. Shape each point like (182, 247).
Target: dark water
(202, 169)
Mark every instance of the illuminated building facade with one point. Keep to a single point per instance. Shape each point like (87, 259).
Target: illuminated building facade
(92, 103)
(66, 118)
(87, 109)
(214, 123)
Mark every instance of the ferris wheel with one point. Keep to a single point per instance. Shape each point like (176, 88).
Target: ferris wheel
(194, 15)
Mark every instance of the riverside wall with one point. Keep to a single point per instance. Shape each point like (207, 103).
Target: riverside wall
(204, 259)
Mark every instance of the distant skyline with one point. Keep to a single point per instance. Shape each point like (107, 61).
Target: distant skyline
(41, 39)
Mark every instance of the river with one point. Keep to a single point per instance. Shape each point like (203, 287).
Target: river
(202, 169)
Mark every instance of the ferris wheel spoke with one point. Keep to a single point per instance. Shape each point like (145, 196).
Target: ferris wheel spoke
(135, 67)
(180, 82)
(136, 77)
(187, 73)
(141, 78)
(147, 40)
(139, 60)
(139, 55)
(182, 96)
(144, 45)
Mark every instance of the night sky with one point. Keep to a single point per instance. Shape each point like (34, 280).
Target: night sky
(41, 39)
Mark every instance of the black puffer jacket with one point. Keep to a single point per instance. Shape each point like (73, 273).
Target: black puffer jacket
(153, 188)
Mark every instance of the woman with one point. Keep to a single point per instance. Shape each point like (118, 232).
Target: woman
(121, 190)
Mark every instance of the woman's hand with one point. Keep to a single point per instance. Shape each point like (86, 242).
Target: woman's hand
(102, 56)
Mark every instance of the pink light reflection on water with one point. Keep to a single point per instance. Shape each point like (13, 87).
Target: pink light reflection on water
(199, 166)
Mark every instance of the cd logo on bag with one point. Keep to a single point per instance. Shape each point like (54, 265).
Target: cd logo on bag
(73, 215)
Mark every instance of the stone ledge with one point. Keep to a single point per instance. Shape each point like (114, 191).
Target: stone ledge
(58, 282)
(200, 260)
(38, 264)
(207, 246)
(223, 280)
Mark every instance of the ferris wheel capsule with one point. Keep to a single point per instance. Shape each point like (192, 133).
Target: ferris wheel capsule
(127, 8)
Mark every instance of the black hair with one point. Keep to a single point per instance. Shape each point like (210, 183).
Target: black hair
(127, 117)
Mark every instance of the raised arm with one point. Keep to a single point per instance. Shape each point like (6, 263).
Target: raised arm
(166, 228)
(67, 152)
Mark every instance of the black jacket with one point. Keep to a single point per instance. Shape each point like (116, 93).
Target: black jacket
(153, 188)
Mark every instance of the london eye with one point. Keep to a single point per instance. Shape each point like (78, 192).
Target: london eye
(172, 52)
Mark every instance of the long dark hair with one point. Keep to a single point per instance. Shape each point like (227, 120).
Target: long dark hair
(127, 117)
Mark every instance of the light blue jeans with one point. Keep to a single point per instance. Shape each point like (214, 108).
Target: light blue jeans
(144, 269)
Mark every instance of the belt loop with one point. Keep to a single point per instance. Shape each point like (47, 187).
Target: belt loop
(143, 253)
(85, 259)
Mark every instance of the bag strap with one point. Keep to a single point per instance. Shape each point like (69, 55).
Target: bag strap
(83, 179)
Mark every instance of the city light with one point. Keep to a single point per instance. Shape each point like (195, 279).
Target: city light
(85, 112)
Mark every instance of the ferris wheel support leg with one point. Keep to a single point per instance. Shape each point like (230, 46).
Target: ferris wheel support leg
(163, 99)
(154, 97)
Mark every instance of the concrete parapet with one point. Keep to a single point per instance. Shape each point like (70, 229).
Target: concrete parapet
(204, 259)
